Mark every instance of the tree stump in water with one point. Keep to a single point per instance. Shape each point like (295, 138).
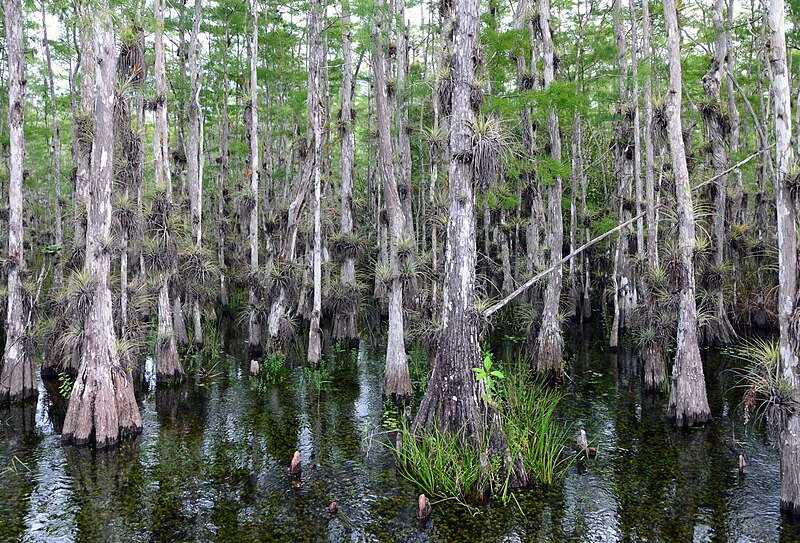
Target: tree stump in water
(296, 467)
(424, 511)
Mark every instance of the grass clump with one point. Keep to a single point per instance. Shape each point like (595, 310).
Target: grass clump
(449, 466)
(532, 428)
(439, 463)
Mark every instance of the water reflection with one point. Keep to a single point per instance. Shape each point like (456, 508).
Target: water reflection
(212, 465)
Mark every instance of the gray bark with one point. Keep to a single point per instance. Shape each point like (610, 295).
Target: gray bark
(397, 382)
(58, 275)
(549, 344)
(18, 376)
(314, 354)
(688, 403)
(254, 328)
(194, 169)
(789, 438)
(454, 399)
(719, 330)
(344, 323)
(102, 406)
(168, 364)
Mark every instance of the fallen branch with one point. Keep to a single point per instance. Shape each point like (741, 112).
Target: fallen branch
(539, 276)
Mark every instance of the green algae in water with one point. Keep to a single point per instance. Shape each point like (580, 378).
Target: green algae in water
(212, 465)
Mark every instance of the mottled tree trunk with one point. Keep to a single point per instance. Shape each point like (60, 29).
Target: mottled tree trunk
(168, 363)
(625, 291)
(397, 382)
(454, 400)
(224, 171)
(789, 439)
(254, 328)
(279, 306)
(719, 329)
(102, 406)
(733, 111)
(549, 343)
(18, 375)
(58, 273)
(650, 192)
(688, 403)
(193, 153)
(314, 354)
(84, 124)
(344, 323)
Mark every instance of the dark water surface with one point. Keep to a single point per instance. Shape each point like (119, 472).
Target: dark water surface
(211, 465)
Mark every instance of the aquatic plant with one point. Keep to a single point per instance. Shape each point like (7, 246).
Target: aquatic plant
(273, 370)
(438, 463)
(446, 466)
(534, 432)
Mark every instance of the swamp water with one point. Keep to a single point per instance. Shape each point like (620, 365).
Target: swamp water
(212, 465)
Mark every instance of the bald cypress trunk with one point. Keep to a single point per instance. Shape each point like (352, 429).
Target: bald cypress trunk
(18, 375)
(224, 169)
(254, 332)
(688, 403)
(397, 382)
(314, 354)
(102, 406)
(194, 167)
(168, 363)
(83, 129)
(719, 329)
(549, 344)
(58, 234)
(625, 291)
(454, 400)
(788, 312)
(344, 322)
(278, 324)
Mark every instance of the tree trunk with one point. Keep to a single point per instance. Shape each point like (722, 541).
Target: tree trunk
(549, 344)
(344, 323)
(18, 376)
(168, 363)
(650, 197)
(397, 382)
(625, 292)
(314, 354)
(788, 322)
(84, 129)
(733, 111)
(193, 165)
(688, 403)
(102, 406)
(58, 275)
(719, 330)
(278, 308)
(224, 167)
(454, 400)
(254, 330)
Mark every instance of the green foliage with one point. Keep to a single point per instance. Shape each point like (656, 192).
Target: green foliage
(490, 378)
(438, 463)
(767, 392)
(532, 428)
(65, 383)
(273, 370)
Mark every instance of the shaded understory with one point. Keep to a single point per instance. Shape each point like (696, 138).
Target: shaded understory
(212, 465)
